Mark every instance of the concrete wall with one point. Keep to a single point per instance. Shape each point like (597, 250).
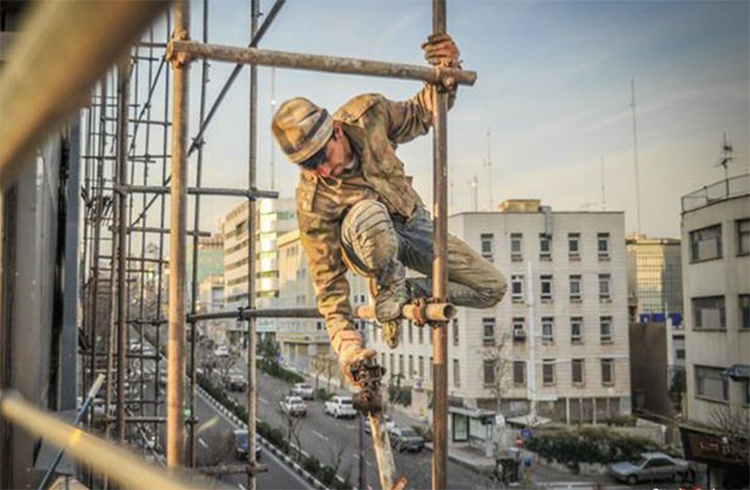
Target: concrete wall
(648, 368)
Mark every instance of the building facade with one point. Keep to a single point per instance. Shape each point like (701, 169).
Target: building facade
(304, 342)
(716, 287)
(559, 337)
(654, 279)
(210, 258)
(274, 217)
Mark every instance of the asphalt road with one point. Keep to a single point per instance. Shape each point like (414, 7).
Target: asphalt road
(326, 438)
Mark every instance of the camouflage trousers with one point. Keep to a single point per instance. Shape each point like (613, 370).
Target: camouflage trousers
(377, 245)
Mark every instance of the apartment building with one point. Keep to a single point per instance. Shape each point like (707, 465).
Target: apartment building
(304, 339)
(716, 288)
(274, 217)
(559, 337)
(210, 258)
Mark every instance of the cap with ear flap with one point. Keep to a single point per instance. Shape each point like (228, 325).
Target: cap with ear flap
(301, 128)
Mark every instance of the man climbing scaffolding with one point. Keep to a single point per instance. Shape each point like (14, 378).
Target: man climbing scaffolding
(357, 210)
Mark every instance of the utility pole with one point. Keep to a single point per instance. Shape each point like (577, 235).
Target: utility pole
(635, 159)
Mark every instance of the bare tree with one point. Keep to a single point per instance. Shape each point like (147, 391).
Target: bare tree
(496, 369)
(292, 433)
(336, 450)
(326, 365)
(733, 425)
(225, 363)
(215, 446)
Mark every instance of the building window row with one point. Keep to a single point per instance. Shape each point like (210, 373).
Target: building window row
(706, 243)
(545, 246)
(709, 312)
(711, 383)
(575, 288)
(577, 372)
(606, 334)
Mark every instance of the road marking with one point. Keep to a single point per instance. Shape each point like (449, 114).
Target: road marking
(320, 435)
(262, 400)
(241, 486)
(202, 443)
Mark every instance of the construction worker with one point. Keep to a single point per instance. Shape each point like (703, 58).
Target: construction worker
(357, 209)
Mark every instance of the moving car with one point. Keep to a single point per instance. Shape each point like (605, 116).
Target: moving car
(302, 390)
(406, 439)
(294, 406)
(240, 444)
(389, 424)
(340, 406)
(650, 467)
(236, 382)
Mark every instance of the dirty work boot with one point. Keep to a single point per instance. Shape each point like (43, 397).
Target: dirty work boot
(391, 333)
(349, 358)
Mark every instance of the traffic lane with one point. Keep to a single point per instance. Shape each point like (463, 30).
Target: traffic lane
(323, 436)
(215, 427)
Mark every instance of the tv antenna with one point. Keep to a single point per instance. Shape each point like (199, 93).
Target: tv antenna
(474, 183)
(727, 155)
(635, 159)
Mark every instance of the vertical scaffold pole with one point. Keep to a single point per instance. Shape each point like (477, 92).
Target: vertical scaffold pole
(252, 376)
(177, 239)
(123, 82)
(440, 270)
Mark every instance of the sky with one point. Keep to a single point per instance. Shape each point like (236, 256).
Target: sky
(553, 92)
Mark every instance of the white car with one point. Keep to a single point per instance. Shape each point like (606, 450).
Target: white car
(302, 390)
(340, 406)
(294, 406)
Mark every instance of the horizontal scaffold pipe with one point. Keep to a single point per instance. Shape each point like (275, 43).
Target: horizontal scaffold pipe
(211, 191)
(434, 312)
(104, 457)
(316, 62)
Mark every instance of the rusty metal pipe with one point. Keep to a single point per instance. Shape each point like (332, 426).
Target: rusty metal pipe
(177, 238)
(315, 62)
(441, 312)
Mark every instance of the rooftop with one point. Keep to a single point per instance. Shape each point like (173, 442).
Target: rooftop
(716, 192)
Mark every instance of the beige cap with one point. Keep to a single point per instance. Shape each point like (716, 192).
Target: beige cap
(301, 128)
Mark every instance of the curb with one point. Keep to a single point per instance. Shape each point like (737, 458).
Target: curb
(264, 442)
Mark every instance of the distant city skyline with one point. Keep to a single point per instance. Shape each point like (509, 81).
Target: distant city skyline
(553, 89)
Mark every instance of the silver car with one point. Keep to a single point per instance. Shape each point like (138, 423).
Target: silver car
(650, 467)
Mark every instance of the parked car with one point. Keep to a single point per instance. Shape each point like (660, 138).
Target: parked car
(389, 424)
(236, 382)
(293, 405)
(650, 467)
(406, 439)
(221, 351)
(240, 444)
(340, 406)
(302, 390)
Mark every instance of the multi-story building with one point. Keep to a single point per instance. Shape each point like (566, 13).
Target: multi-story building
(654, 279)
(559, 337)
(274, 217)
(716, 289)
(210, 258)
(211, 299)
(303, 340)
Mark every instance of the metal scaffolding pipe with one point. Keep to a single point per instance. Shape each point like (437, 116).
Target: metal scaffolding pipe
(316, 62)
(440, 269)
(441, 312)
(177, 238)
(153, 229)
(65, 48)
(212, 191)
(115, 462)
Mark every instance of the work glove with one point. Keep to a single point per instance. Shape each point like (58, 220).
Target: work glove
(440, 50)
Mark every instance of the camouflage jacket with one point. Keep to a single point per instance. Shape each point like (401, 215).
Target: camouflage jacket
(374, 126)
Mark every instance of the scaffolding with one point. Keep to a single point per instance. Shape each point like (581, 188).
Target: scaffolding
(122, 131)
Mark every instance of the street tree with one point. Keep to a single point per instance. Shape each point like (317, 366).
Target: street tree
(496, 368)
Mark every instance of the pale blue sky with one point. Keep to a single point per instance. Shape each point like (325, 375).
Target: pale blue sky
(553, 88)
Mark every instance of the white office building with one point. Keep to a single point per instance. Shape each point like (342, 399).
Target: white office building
(559, 337)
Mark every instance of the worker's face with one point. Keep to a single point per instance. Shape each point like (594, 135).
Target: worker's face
(338, 154)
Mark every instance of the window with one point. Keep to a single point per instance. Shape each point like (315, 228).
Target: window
(546, 288)
(519, 373)
(489, 373)
(411, 366)
(708, 313)
(577, 371)
(382, 359)
(431, 368)
(488, 331)
(608, 372)
(401, 364)
(421, 367)
(575, 288)
(548, 371)
(516, 247)
(711, 383)
(705, 244)
(744, 303)
(574, 246)
(602, 245)
(456, 373)
(487, 239)
(545, 246)
(548, 330)
(743, 237)
(455, 331)
(519, 335)
(411, 331)
(746, 393)
(318, 325)
(680, 354)
(392, 365)
(605, 287)
(576, 330)
(516, 284)
(420, 335)
(605, 329)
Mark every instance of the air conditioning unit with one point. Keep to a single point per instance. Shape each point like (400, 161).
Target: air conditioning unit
(519, 335)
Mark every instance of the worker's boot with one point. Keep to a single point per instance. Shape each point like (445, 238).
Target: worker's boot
(366, 374)
(392, 294)
(351, 359)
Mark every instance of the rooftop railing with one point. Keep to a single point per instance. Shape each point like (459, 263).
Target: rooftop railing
(718, 191)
